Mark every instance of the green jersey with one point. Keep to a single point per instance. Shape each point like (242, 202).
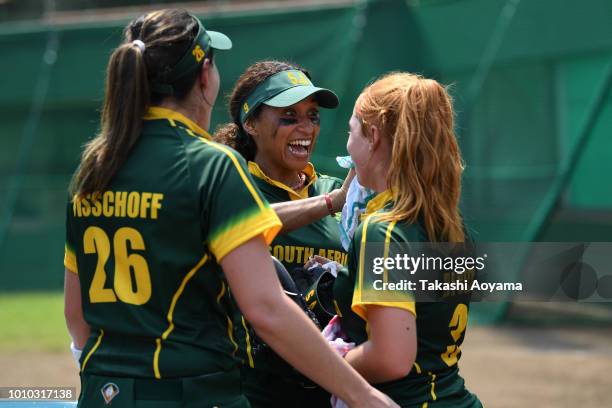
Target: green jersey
(434, 379)
(319, 238)
(147, 252)
(270, 381)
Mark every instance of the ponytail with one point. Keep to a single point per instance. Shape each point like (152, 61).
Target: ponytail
(125, 103)
(153, 44)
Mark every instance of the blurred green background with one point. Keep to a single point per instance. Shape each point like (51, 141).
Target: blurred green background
(530, 79)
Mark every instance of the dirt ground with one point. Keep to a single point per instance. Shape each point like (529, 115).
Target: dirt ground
(504, 366)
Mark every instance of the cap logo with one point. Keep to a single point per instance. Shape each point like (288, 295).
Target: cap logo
(109, 391)
(245, 107)
(299, 79)
(198, 53)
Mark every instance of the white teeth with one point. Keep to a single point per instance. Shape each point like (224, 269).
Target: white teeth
(304, 142)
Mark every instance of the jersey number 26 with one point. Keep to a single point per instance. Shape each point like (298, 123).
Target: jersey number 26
(96, 241)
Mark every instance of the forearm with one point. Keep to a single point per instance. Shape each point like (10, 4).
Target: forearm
(296, 339)
(296, 214)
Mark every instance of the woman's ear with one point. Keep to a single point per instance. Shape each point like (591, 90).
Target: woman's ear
(374, 140)
(205, 72)
(250, 127)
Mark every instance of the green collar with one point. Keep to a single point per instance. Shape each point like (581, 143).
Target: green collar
(256, 171)
(157, 112)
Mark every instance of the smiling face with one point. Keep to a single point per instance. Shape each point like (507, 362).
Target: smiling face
(285, 137)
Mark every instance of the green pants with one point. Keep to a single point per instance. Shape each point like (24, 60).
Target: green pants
(222, 390)
(267, 390)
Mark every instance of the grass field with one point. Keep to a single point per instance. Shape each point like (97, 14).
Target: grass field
(33, 322)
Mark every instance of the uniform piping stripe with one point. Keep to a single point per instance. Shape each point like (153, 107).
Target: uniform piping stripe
(418, 368)
(433, 386)
(248, 344)
(230, 325)
(387, 245)
(362, 253)
(230, 331)
(93, 349)
(175, 299)
(244, 177)
(221, 292)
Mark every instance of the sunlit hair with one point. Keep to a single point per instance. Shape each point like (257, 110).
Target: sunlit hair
(424, 176)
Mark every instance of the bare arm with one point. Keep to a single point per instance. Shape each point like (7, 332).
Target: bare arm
(295, 214)
(73, 310)
(287, 330)
(390, 351)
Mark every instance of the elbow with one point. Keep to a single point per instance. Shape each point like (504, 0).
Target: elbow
(396, 365)
(262, 316)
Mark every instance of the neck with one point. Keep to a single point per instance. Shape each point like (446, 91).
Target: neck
(379, 175)
(286, 176)
(199, 113)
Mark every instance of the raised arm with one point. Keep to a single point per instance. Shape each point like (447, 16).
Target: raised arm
(298, 213)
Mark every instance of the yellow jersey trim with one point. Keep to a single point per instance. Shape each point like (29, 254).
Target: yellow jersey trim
(244, 177)
(376, 203)
(358, 305)
(175, 299)
(433, 386)
(230, 325)
(70, 261)
(265, 223)
(93, 349)
(249, 349)
(157, 112)
(256, 171)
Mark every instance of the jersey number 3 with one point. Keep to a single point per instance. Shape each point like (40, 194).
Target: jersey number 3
(457, 325)
(136, 291)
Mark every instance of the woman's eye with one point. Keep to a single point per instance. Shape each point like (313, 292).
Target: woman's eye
(315, 118)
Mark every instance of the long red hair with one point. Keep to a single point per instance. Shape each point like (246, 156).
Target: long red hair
(426, 166)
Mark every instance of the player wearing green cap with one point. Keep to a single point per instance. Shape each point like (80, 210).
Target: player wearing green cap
(275, 112)
(162, 222)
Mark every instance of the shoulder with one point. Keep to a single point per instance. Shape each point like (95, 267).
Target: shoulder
(374, 229)
(325, 184)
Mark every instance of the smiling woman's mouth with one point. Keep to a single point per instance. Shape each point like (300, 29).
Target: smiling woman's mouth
(299, 147)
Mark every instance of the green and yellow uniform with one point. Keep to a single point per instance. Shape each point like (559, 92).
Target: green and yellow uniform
(434, 380)
(270, 381)
(319, 238)
(147, 252)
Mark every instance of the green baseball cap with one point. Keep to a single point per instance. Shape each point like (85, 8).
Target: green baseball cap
(200, 46)
(286, 88)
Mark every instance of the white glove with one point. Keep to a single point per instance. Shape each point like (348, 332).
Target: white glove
(76, 355)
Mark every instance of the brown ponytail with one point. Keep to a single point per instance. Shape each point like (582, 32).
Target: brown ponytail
(166, 35)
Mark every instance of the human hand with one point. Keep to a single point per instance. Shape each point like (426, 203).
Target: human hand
(338, 196)
(314, 260)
